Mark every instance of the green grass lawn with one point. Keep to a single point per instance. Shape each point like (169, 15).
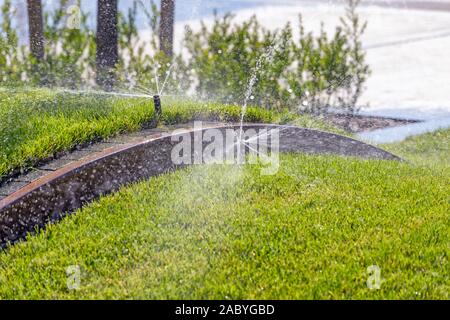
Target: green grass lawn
(431, 149)
(35, 124)
(226, 232)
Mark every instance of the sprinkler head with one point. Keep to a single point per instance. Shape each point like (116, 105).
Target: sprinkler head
(157, 102)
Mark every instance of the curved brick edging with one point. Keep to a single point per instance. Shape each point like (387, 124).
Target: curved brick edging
(69, 188)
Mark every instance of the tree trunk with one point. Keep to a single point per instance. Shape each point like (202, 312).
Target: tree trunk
(107, 43)
(36, 30)
(166, 26)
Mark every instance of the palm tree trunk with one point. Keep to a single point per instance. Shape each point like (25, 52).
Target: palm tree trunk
(36, 30)
(107, 43)
(167, 26)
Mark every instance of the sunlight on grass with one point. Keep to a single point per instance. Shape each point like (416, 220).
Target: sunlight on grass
(430, 149)
(310, 231)
(37, 123)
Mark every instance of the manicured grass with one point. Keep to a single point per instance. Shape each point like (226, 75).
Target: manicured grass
(36, 124)
(310, 231)
(431, 149)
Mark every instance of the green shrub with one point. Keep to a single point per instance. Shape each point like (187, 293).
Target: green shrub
(69, 52)
(142, 67)
(230, 63)
(65, 65)
(11, 54)
(313, 74)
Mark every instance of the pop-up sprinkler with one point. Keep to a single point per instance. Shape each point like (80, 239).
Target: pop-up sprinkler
(157, 102)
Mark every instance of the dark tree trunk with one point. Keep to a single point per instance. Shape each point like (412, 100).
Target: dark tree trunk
(107, 43)
(166, 26)
(35, 27)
